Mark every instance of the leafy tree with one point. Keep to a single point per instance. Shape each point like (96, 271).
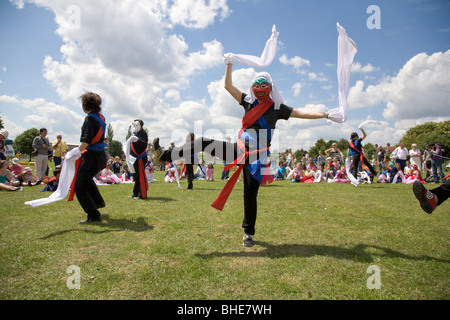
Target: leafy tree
(116, 149)
(24, 141)
(422, 135)
(369, 150)
(109, 134)
(1, 124)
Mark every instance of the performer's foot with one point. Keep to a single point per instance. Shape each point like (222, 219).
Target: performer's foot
(156, 152)
(248, 240)
(428, 200)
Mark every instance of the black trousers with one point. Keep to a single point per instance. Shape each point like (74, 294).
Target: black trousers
(85, 188)
(190, 175)
(229, 152)
(356, 160)
(137, 180)
(442, 192)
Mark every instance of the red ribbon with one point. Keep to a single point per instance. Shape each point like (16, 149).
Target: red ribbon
(72, 185)
(142, 176)
(249, 118)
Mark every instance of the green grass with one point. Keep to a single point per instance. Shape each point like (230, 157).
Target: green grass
(313, 241)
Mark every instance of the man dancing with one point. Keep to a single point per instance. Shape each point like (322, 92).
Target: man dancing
(263, 107)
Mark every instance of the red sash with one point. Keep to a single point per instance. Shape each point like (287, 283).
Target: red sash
(95, 140)
(74, 180)
(142, 176)
(361, 154)
(249, 118)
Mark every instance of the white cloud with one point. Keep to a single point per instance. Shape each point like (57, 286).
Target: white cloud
(358, 68)
(38, 113)
(198, 13)
(317, 77)
(127, 52)
(297, 88)
(296, 62)
(419, 90)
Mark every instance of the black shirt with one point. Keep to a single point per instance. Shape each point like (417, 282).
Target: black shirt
(271, 116)
(90, 129)
(141, 145)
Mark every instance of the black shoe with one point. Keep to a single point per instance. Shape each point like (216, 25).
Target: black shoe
(248, 241)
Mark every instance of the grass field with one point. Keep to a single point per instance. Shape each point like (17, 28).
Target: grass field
(313, 241)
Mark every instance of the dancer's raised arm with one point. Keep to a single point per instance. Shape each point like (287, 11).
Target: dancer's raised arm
(235, 92)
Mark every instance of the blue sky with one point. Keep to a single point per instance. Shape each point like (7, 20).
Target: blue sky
(161, 61)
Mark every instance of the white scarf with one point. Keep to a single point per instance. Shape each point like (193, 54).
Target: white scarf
(266, 58)
(346, 52)
(65, 180)
(349, 175)
(130, 159)
(368, 122)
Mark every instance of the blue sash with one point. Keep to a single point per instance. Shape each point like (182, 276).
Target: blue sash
(99, 145)
(256, 168)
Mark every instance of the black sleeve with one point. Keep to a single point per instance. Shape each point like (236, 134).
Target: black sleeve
(285, 112)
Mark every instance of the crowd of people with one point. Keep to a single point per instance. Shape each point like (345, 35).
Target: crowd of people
(390, 165)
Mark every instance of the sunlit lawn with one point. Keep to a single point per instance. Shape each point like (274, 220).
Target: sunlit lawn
(313, 241)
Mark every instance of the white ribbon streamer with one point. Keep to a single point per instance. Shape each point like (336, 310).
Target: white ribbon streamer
(129, 158)
(264, 60)
(349, 174)
(368, 122)
(346, 52)
(65, 180)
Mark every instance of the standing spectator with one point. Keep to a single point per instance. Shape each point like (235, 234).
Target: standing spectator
(427, 157)
(334, 151)
(388, 155)
(400, 153)
(381, 159)
(116, 166)
(59, 148)
(289, 158)
(210, 172)
(436, 162)
(42, 148)
(415, 156)
(3, 135)
(321, 159)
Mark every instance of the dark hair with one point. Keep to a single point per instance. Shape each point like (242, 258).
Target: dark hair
(353, 136)
(42, 130)
(140, 121)
(91, 102)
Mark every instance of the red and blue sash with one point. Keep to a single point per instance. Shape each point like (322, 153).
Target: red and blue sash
(143, 182)
(96, 145)
(249, 119)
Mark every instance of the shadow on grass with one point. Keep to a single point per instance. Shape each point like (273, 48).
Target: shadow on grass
(110, 225)
(357, 253)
